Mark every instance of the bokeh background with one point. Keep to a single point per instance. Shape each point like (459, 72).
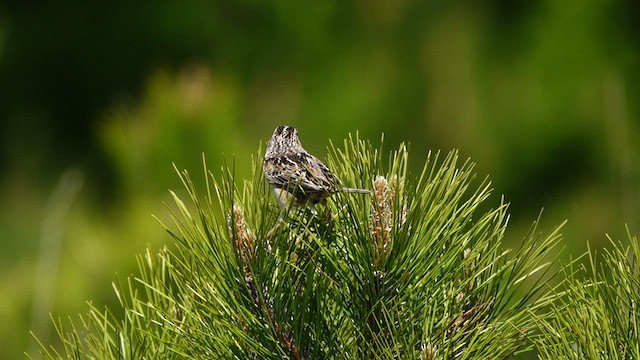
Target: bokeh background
(97, 100)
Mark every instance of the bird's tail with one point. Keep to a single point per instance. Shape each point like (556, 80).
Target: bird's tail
(356, 191)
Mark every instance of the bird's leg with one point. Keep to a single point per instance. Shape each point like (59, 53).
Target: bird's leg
(275, 227)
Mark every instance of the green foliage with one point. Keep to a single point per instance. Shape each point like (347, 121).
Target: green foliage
(595, 316)
(493, 79)
(415, 270)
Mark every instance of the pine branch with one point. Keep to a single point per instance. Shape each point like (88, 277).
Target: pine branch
(414, 270)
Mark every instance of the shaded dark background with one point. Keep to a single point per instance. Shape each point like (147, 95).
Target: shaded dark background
(97, 101)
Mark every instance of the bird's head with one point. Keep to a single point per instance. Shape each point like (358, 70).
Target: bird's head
(283, 141)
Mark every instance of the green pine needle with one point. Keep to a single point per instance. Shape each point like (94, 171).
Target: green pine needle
(414, 271)
(594, 315)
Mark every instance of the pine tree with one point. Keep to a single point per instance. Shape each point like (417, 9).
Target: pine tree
(414, 271)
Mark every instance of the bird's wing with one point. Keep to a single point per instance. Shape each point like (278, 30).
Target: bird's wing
(319, 174)
(300, 171)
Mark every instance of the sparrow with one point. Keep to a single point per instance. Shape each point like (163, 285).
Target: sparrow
(295, 175)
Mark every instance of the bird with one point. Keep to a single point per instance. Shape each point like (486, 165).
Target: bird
(297, 176)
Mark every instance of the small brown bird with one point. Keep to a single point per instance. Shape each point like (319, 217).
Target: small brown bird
(296, 175)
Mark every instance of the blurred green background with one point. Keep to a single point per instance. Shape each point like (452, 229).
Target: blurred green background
(97, 100)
